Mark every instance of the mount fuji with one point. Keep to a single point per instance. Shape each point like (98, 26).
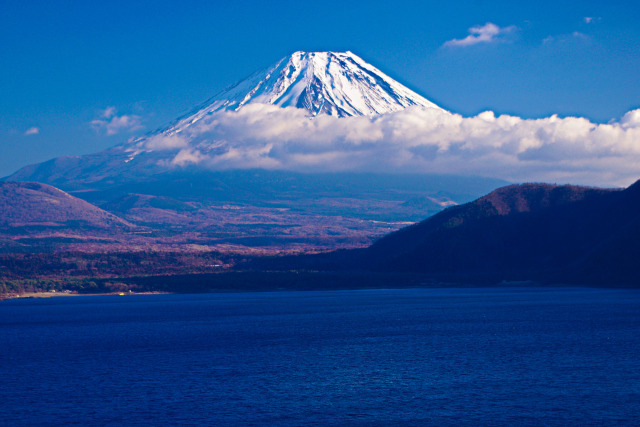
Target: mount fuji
(144, 180)
(337, 84)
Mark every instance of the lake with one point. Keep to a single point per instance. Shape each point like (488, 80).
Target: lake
(516, 356)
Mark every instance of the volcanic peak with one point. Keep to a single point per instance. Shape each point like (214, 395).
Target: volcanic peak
(333, 83)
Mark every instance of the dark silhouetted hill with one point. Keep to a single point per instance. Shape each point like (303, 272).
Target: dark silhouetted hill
(524, 232)
(539, 232)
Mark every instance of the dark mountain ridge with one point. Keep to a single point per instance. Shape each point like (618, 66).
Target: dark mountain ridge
(538, 232)
(513, 228)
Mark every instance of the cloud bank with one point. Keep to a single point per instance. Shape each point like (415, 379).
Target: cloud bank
(486, 33)
(423, 140)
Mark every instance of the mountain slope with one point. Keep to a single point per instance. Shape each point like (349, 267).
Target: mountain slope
(25, 204)
(36, 217)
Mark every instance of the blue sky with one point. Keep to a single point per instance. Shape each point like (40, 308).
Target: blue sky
(79, 76)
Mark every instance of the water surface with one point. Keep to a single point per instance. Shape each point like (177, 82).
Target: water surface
(440, 356)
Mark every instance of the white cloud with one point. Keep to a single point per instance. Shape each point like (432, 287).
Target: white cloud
(574, 37)
(109, 112)
(32, 131)
(554, 149)
(165, 142)
(110, 123)
(631, 119)
(187, 156)
(486, 33)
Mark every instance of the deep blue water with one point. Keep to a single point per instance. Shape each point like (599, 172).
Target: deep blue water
(439, 356)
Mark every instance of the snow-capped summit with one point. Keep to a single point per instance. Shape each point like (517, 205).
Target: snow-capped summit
(334, 83)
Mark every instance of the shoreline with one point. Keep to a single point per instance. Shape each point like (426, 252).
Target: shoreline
(44, 295)
(74, 294)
